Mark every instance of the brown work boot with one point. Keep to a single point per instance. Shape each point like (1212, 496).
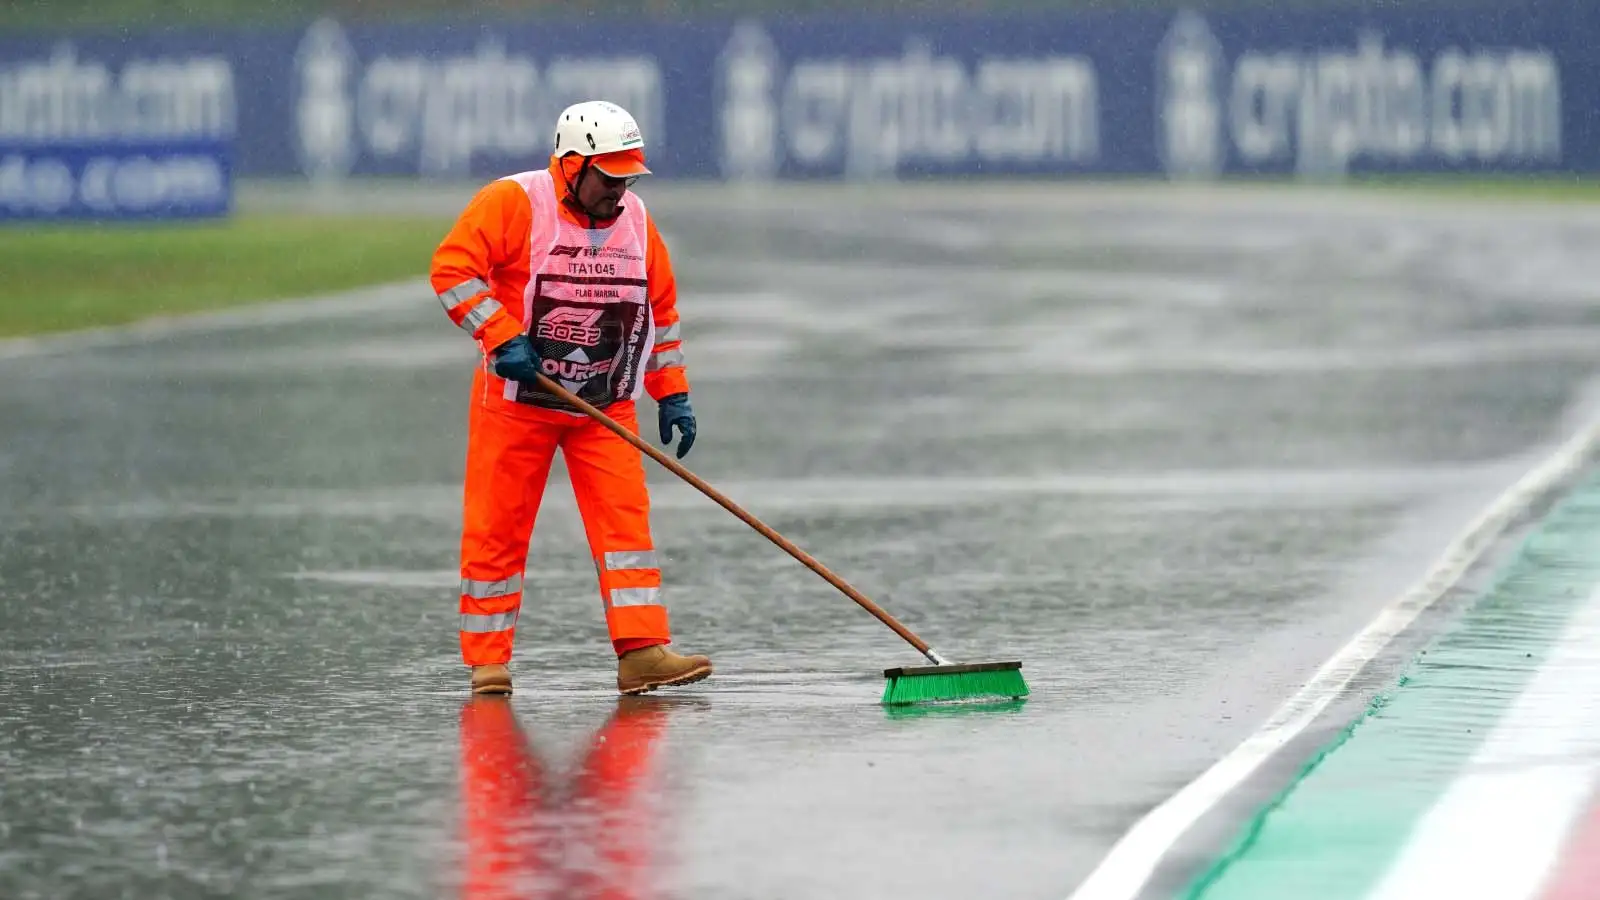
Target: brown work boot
(494, 678)
(651, 667)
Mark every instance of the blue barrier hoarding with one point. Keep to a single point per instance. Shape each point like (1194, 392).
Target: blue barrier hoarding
(138, 133)
(125, 180)
(1481, 89)
(1315, 93)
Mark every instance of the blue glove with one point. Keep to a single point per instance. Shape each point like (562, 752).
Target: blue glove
(516, 360)
(675, 410)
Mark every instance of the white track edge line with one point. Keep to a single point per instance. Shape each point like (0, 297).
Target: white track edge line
(344, 304)
(1123, 872)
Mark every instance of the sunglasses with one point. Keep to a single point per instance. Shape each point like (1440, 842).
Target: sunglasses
(610, 181)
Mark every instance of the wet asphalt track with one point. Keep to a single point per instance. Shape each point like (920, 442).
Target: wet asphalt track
(1171, 450)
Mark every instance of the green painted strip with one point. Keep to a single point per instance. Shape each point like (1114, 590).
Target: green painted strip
(1334, 831)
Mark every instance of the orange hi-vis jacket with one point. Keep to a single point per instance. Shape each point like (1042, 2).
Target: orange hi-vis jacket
(482, 269)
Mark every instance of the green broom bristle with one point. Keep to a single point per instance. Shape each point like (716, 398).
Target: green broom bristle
(920, 688)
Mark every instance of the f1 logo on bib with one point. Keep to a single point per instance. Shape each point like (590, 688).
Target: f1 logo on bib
(572, 326)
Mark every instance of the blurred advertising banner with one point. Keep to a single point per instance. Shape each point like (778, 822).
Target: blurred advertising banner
(724, 100)
(128, 135)
(1313, 93)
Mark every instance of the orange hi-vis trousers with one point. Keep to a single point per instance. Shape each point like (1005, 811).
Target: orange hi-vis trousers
(510, 448)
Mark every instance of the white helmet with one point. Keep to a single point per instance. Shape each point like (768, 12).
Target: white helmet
(598, 128)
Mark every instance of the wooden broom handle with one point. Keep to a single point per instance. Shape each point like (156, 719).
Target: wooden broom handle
(677, 469)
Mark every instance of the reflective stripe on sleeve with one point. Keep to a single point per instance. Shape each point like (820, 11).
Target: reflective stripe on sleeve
(671, 334)
(480, 314)
(486, 590)
(635, 596)
(664, 359)
(631, 559)
(472, 623)
(466, 290)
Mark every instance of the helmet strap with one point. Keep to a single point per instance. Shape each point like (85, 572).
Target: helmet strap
(572, 183)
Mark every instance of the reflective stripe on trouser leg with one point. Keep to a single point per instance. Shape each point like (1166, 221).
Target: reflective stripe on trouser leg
(609, 482)
(477, 596)
(508, 462)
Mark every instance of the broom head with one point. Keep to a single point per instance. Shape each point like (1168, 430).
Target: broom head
(928, 684)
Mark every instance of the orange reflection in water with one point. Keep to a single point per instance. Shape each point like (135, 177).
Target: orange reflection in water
(530, 833)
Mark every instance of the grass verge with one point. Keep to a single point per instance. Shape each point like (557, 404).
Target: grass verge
(1559, 188)
(65, 277)
(72, 276)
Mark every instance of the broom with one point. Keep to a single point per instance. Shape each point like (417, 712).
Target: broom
(941, 681)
